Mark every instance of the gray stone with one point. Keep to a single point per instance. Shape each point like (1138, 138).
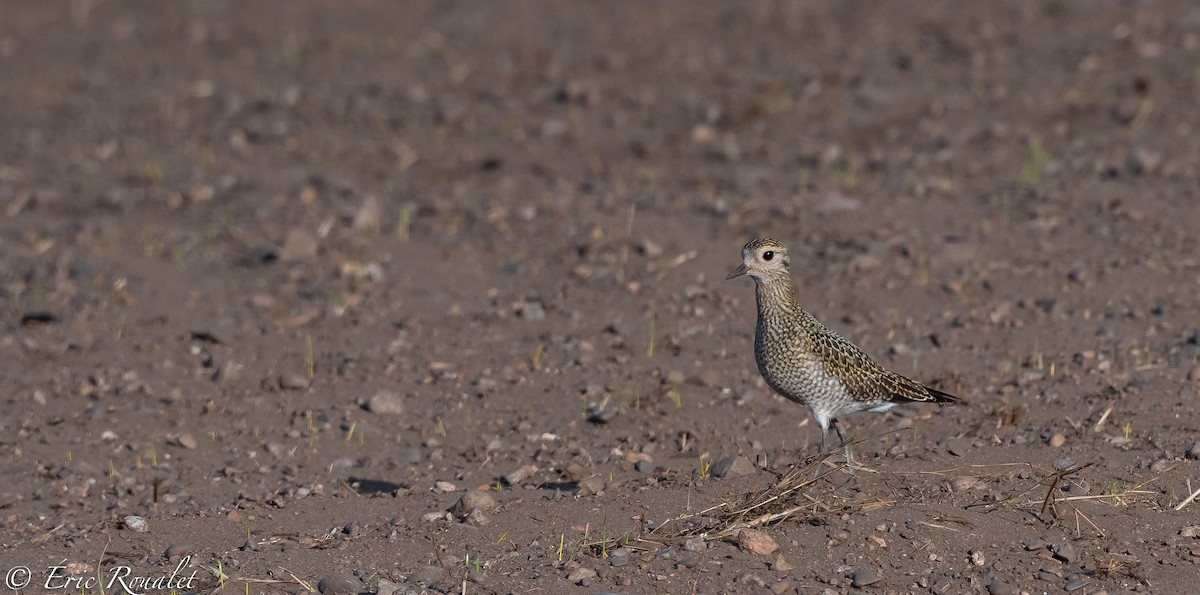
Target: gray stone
(733, 467)
(386, 403)
(340, 584)
(864, 577)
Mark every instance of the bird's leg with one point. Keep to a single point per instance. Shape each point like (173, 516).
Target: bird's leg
(824, 439)
(837, 427)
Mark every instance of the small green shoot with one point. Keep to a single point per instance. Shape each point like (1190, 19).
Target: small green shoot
(441, 427)
(350, 432)
(537, 356)
(1034, 167)
(705, 468)
(308, 356)
(675, 396)
(650, 346)
(112, 470)
(402, 226)
(561, 541)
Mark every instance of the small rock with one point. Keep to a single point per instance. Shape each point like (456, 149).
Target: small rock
(432, 517)
(1064, 463)
(958, 446)
(694, 544)
(1190, 531)
(1075, 583)
(518, 475)
(187, 441)
(733, 467)
(963, 483)
(782, 565)
(618, 557)
(472, 501)
(340, 584)
(1194, 374)
(386, 403)
(444, 486)
(293, 381)
(999, 588)
(176, 550)
(977, 558)
(756, 542)
(591, 486)
(1057, 440)
(644, 466)
(387, 587)
(782, 587)
(136, 523)
(298, 245)
(1193, 453)
(581, 574)
(863, 577)
(1065, 552)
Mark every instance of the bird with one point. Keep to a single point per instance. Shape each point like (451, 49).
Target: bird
(808, 363)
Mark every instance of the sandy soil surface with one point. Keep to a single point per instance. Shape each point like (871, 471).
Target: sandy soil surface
(429, 296)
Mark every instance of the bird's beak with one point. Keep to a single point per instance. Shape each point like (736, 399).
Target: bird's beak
(738, 272)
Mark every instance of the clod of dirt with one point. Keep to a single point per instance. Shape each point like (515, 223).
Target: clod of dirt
(340, 584)
(733, 467)
(298, 246)
(756, 542)
(591, 486)
(292, 381)
(472, 501)
(863, 577)
(385, 403)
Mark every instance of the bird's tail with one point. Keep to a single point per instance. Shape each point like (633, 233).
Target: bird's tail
(941, 397)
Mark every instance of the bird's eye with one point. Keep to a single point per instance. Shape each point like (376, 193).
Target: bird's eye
(768, 255)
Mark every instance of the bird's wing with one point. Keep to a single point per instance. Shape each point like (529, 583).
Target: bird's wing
(864, 379)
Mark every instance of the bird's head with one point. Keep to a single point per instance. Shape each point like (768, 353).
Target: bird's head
(765, 260)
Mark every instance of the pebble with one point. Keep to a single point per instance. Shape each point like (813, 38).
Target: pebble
(520, 474)
(977, 557)
(782, 565)
(958, 446)
(618, 557)
(1064, 463)
(1065, 552)
(694, 544)
(292, 381)
(999, 588)
(581, 574)
(1057, 440)
(591, 486)
(1193, 453)
(644, 467)
(473, 501)
(136, 523)
(963, 483)
(387, 587)
(385, 403)
(1075, 583)
(863, 577)
(431, 517)
(756, 542)
(298, 245)
(1190, 531)
(444, 486)
(340, 584)
(176, 550)
(733, 467)
(188, 441)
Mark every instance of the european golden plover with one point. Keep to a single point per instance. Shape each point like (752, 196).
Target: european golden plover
(808, 363)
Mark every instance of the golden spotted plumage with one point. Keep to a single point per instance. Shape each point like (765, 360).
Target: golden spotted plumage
(808, 363)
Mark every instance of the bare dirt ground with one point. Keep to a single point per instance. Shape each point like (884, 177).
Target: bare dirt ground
(287, 280)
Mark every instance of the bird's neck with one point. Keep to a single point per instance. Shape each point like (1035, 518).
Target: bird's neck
(775, 295)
